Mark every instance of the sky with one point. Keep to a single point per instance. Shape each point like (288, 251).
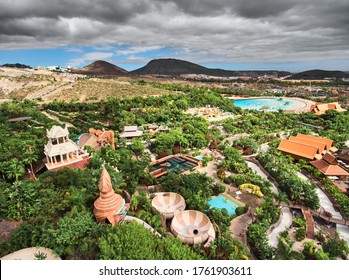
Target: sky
(293, 35)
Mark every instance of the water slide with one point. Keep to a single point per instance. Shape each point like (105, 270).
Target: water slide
(168, 204)
(193, 227)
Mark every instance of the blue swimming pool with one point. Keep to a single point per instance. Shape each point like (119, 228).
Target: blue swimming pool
(221, 202)
(175, 164)
(270, 104)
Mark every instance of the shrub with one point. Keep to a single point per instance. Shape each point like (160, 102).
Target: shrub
(300, 234)
(299, 222)
(240, 210)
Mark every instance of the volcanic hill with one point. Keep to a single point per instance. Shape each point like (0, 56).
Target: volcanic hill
(102, 68)
(16, 65)
(176, 67)
(319, 75)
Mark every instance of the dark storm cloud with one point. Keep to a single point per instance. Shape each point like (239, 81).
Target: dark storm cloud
(104, 10)
(201, 7)
(262, 8)
(228, 30)
(245, 8)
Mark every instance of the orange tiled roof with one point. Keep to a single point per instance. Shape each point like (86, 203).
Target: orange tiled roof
(321, 108)
(329, 169)
(325, 141)
(298, 149)
(321, 146)
(330, 159)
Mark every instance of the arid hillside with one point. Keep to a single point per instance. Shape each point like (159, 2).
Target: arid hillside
(47, 86)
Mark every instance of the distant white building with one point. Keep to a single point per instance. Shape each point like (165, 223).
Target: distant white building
(130, 132)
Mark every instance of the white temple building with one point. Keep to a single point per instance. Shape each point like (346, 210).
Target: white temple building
(130, 132)
(60, 151)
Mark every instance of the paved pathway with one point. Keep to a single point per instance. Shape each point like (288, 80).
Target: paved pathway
(238, 227)
(52, 117)
(284, 223)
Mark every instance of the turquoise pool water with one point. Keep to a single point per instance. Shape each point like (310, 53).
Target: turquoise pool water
(200, 158)
(221, 202)
(271, 104)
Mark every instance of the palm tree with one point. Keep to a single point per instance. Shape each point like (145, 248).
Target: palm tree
(284, 250)
(15, 169)
(259, 212)
(29, 157)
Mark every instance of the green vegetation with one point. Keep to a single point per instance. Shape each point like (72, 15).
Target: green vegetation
(284, 249)
(282, 169)
(127, 242)
(336, 248)
(57, 208)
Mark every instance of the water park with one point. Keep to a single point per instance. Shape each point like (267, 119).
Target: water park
(295, 105)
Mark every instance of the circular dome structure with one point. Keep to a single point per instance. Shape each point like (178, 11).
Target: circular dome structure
(168, 204)
(192, 227)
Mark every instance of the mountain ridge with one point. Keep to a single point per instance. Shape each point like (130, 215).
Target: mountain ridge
(177, 67)
(318, 74)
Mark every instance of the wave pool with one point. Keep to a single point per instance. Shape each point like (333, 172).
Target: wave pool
(269, 104)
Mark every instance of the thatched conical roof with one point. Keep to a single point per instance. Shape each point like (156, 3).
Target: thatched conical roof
(109, 203)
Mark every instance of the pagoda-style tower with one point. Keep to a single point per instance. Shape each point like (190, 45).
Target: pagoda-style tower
(109, 205)
(61, 152)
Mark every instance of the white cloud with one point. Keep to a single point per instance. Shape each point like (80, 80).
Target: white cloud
(89, 57)
(226, 31)
(138, 49)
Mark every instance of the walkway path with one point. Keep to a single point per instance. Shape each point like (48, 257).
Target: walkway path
(52, 117)
(238, 227)
(284, 222)
(310, 226)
